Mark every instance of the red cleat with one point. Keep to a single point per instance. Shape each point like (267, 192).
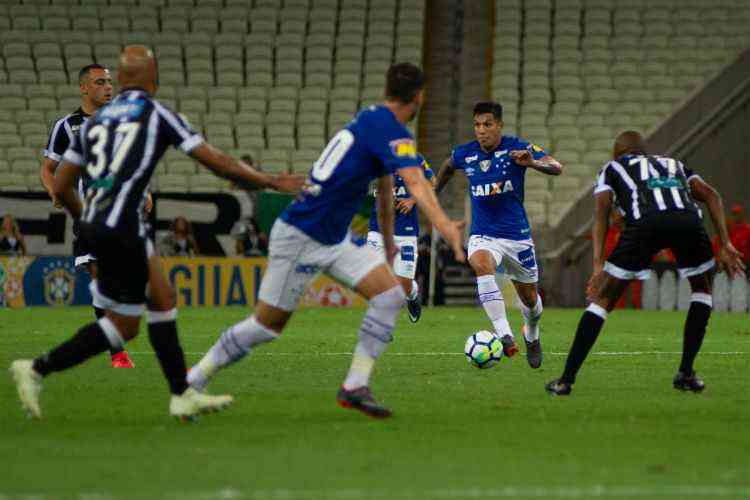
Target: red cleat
(122, 360)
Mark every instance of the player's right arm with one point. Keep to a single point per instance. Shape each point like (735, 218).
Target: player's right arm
(224, 165)
(385, 214)
(421, 190)
(729, 257)
(57, 144)
(447, 169)
(47, 175)
(64, 190)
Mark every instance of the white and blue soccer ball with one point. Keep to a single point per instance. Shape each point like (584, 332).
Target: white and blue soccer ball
(483, 349)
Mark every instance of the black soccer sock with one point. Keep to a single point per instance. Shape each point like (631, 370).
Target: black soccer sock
(695, 329)
(162, 333)
(588, 330)
(100, 313)
(88, 342)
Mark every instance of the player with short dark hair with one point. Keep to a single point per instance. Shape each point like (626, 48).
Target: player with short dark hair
(95, 84)
(118, 150)
(657, 196)
(495, 166)
(312, 236)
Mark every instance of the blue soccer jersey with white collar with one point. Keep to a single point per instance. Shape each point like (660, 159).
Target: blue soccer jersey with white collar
(496, 186)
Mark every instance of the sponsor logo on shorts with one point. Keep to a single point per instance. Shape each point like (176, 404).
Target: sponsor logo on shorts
(526, 258)
(306, 268)
(407, 254)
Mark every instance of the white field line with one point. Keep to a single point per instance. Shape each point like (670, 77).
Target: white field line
(704, 491)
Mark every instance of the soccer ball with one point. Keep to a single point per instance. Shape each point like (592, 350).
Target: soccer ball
(483, 349)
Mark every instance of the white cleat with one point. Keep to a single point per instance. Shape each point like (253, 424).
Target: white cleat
(191, 403)
(29, 385)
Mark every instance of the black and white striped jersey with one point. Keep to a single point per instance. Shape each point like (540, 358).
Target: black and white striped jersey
(61, 136)
(644, 184)
(119, 148)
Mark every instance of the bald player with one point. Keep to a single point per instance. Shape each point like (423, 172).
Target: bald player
(117, 151)
(658, 197)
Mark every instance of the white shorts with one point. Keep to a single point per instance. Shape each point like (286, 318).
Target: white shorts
(517, 258)
(405, 263)
(295, 259)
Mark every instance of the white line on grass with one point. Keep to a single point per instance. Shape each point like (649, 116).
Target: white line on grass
(598, 491)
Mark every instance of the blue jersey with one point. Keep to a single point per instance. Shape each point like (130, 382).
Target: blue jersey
(496, 184)
(374, 144)
(404, 224)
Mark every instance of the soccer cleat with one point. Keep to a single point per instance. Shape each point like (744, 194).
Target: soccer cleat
(415, 309)
(690, 382)
(534, 353)
(122, 360)
(558, 388)
(191, 403)
(510, 348)
(29, 385)
(361, 399)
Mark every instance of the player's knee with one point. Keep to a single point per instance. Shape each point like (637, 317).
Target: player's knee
(392, 299)
(482, 268)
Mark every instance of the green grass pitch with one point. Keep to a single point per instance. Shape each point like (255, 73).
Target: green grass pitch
(457, 433)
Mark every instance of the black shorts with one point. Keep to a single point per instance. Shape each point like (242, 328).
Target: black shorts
(122, 268)
(82, 253)
(681, 231)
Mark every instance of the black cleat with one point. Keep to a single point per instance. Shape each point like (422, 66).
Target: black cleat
(510, 348)
(557, 388)
(690, 382)
(361, 399)
(534, 353)
(415, 309)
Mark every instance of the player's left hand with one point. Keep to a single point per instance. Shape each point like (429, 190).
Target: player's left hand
(523, 157)
(730, 259)
(594, 284)
(405, 205)
(288, 183)
(149, 203)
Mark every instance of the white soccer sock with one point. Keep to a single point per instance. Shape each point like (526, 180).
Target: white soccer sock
(414, 294)
(234, 344)
(531, 318)
(494, 305)
(375, 333)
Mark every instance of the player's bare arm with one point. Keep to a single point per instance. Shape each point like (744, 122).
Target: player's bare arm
(729, 257)
(421, 190)
(47, 175)
(65, 179)
(225, 166)
(447, 169)
(603, 202)
(386, 216)
(406, 205)
(546, 164)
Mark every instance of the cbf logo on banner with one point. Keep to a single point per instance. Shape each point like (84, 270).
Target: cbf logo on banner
(59, 282)
(53, 281)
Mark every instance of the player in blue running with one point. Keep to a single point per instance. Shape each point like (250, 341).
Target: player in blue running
(312, 236)
(495, 166)
(405, 236)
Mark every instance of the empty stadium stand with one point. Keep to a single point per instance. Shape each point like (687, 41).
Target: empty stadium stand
(573, 73)
(269, 78)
